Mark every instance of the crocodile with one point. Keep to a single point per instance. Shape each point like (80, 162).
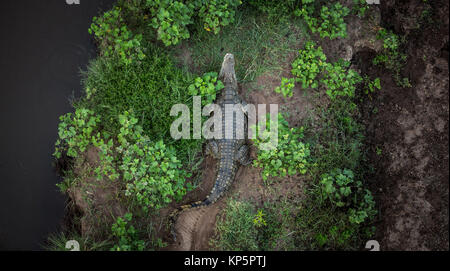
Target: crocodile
(230, 152)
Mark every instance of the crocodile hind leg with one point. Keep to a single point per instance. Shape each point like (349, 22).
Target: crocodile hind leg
(213, 148)
(243, 155)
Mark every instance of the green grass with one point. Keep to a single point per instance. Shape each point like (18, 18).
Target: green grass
(147, 89)
(320, 227)
(257, 42)
(336, 138)
(237, 229)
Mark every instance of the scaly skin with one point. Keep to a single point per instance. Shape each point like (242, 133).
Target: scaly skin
(231, 153)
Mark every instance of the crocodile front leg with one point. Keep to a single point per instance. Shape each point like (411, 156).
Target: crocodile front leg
(243, 155)
(213, 148)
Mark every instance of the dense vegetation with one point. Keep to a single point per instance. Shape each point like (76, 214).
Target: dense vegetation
(132, 85)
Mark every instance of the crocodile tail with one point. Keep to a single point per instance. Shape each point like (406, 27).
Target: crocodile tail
(174, 215)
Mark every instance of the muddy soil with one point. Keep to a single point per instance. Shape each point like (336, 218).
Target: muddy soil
(409, 128)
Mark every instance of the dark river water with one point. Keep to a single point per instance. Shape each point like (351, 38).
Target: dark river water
(43, 46)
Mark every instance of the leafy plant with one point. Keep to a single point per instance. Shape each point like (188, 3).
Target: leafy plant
(289, 156)
(76, 132)
(339, 80)
(360, 7)
(342, 190)
(114, 37)
(206, 86)
(378, 150)
(329, 23)
(333, 24)
(371, 86)
(287, 84)
(259, 220)
(321, 239)
(127, 235)
(170, 18)
(308, 65)
(365, 209)
(391, 57)
(216, 13)
(311, 68)
(337, 186)
(151, 170)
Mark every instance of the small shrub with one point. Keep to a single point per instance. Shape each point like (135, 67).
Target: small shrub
(126, 235)
(287, 84)
(75, 132)
(151, 170)
(342, 190)
(114, 37)
(206, 86)
(259, 220)
(339, 80)
(333, 24)
(311, 68)
(216, 13)
(79, 131)
(360, 8)
(290, 155)
(391, 57)
(337, 186)
(308, 65)
(371, 86)
(365, 209)
(329, 23)
(170, 18)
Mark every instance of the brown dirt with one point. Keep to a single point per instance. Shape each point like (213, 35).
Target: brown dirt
(410, 125)
(96, 200)
(194, 227)
(411, 129)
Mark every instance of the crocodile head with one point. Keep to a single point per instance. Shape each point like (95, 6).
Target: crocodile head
(227, 74)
